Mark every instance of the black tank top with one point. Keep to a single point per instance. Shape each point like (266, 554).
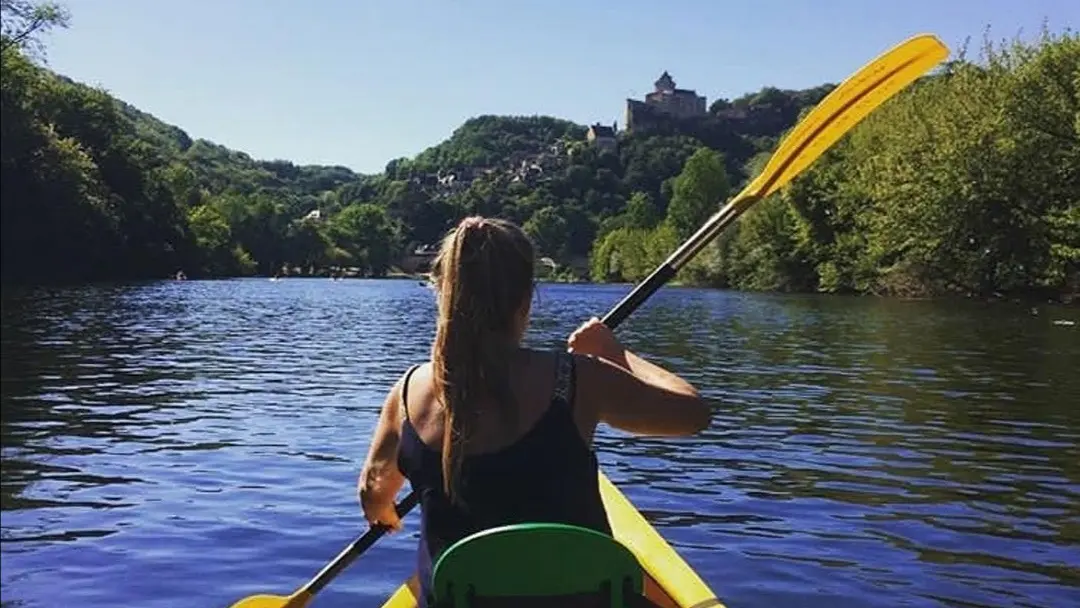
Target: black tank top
(549, 475)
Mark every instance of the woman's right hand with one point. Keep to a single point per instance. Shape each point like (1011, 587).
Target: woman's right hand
(595, 338)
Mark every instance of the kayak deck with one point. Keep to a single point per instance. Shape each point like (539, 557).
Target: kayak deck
(405, 596)
(669, 581)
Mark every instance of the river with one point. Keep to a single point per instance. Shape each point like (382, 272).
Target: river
(179, 444)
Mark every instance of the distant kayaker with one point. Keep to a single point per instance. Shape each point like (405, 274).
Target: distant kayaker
(490, 433)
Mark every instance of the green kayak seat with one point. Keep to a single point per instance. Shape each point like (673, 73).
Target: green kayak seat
(538, 564)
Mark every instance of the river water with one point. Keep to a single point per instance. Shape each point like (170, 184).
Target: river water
(185, 444)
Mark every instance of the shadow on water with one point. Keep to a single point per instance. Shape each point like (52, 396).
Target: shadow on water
(863, 452)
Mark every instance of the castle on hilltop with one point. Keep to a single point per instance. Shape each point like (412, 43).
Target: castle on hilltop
(665, 99)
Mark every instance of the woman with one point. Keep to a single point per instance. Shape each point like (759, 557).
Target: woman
(490, 433)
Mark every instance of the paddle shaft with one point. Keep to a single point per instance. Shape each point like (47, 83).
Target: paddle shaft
(355, 548)
(664, 273)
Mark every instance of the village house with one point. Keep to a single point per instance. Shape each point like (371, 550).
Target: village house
(602, 136)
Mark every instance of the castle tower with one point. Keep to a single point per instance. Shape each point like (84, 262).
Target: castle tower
(665, 83)
(666, 99)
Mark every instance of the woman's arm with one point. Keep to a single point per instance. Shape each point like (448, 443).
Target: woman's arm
(630, 393)
(380, 479)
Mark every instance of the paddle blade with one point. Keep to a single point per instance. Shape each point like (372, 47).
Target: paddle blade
(845, 107)
(298, 600)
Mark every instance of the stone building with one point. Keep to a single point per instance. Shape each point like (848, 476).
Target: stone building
(666, 99)
(602, 136)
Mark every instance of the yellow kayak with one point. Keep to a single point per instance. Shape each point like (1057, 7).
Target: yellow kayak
(669, 581)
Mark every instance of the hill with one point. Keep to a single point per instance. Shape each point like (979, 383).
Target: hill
(540, 171)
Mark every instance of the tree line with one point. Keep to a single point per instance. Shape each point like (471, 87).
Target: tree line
(965, 183)
(968, 183)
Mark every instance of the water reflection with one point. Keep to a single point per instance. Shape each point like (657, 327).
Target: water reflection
(863, 452)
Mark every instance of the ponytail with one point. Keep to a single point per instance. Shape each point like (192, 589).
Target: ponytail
(483, 277)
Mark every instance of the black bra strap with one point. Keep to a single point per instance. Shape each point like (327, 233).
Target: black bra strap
(405, 390)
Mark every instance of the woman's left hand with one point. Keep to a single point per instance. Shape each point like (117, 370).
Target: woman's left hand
(383, 515)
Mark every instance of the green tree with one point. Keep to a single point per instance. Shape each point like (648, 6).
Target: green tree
(22, 21)
(698, 191)
(218, 255)
(642, 212)
(365, 233)
(548, 229)
(308, 245)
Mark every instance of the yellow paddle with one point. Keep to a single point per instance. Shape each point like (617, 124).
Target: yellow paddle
(841, 110)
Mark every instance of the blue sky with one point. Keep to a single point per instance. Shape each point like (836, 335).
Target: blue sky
(360, 82)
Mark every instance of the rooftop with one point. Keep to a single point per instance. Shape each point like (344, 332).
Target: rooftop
(602, 131)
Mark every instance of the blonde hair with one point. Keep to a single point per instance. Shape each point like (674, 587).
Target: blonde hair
(483, 276)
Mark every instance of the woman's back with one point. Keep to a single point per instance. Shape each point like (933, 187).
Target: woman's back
(533, 381)
(540, 468)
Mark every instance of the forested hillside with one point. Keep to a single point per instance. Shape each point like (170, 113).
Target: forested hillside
(966, 183)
